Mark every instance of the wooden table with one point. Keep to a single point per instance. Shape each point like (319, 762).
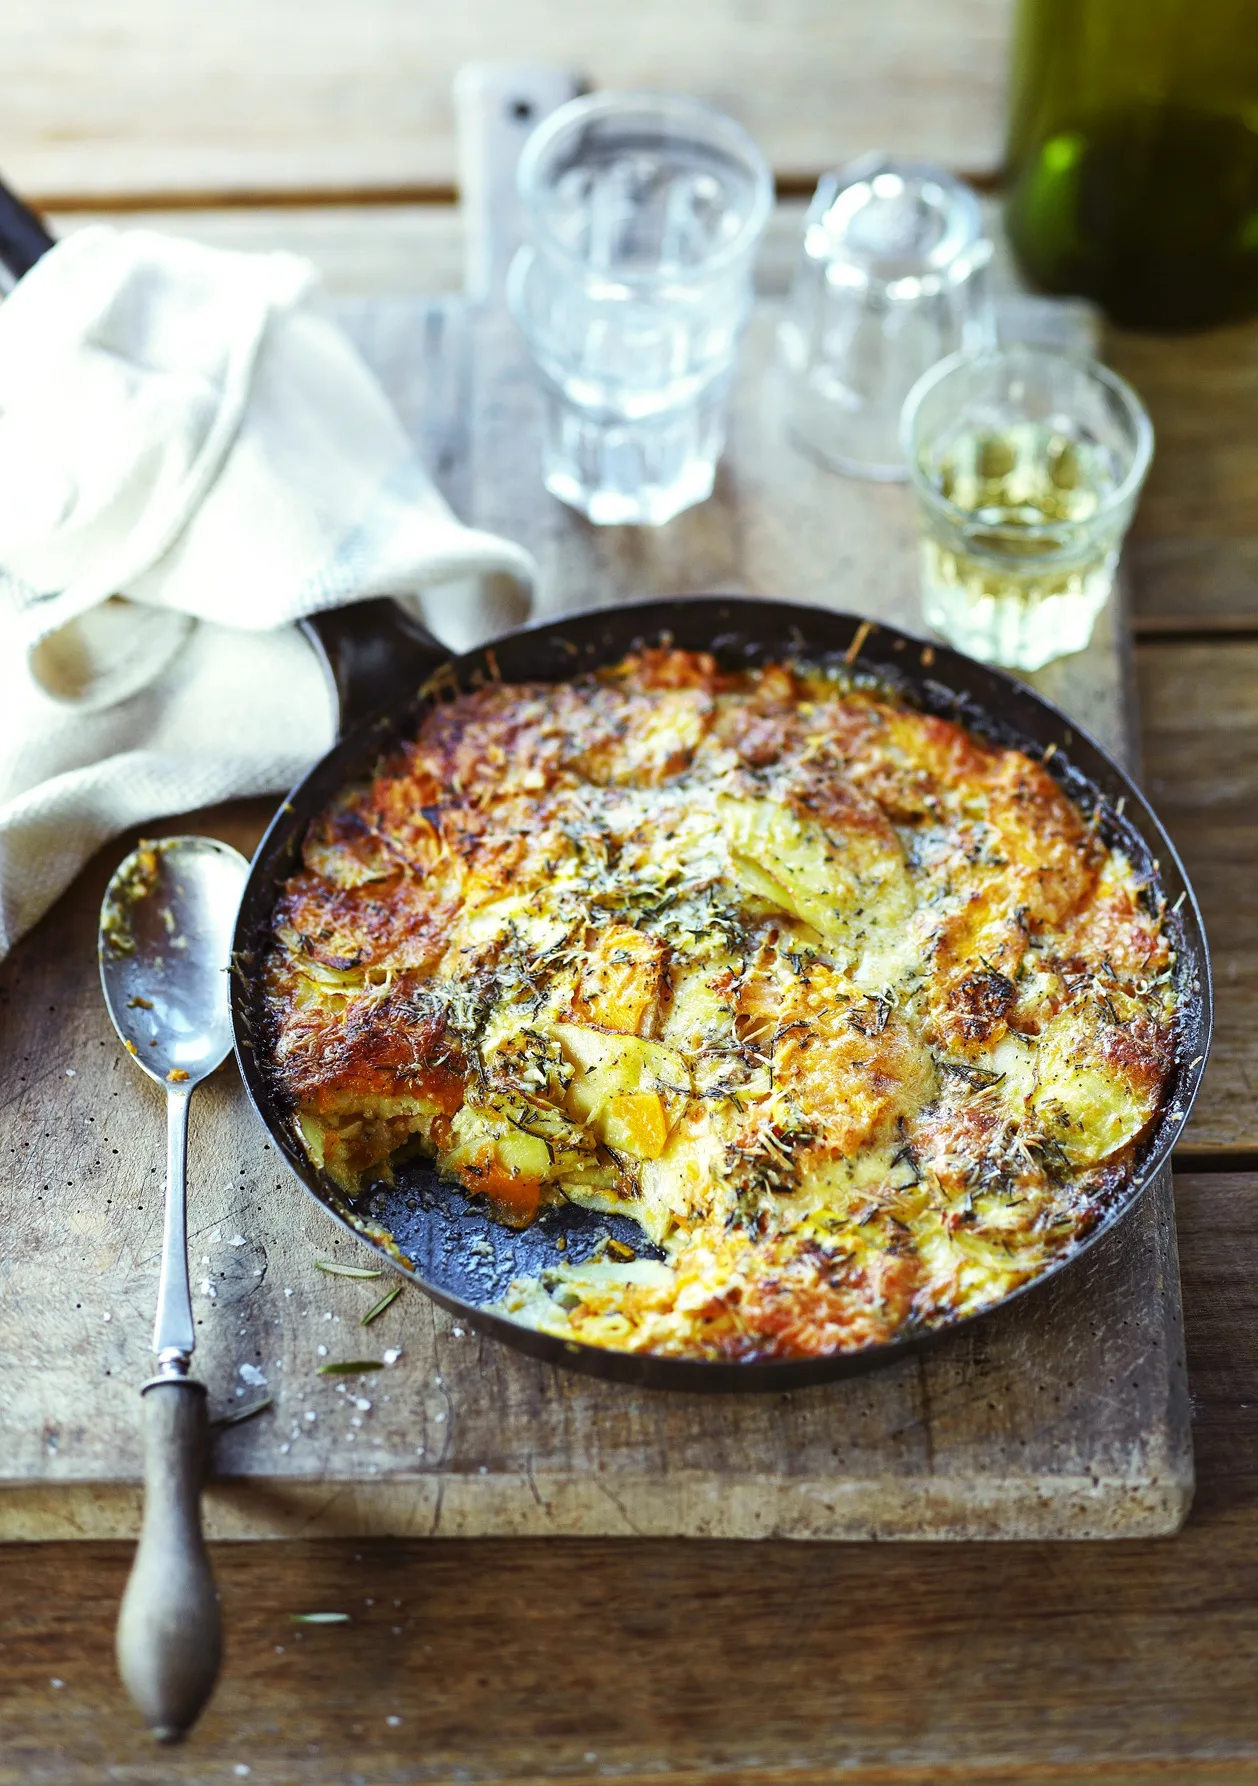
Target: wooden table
(327, 129)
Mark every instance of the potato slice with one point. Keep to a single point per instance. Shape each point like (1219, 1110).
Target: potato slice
(1090, 1105)
(628, 1090)
(851, 886)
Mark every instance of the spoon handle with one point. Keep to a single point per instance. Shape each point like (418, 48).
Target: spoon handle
(169, 1638)
(174, 1335)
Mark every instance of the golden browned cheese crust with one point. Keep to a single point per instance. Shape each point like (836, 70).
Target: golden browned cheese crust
(853, 1013)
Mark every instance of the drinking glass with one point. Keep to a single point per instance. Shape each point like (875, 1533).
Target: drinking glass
(1026, 464)
(893, 277)
(642, 214)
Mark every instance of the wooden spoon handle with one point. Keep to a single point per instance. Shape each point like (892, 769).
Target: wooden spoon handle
(169, 1638)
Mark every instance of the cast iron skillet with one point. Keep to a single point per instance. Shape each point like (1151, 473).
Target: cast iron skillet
(446, 1241)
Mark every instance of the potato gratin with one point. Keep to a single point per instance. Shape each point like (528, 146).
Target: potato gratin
(853, 1014)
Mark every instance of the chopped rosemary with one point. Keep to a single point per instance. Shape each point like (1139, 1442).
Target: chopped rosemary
(319, 1618)
(351, 1367)
(335, 1270)
(981, 1078)
(389, 1297)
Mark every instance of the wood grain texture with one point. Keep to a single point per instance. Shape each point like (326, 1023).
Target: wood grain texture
(385, 251)
(1066, 1415)
(1128, 1665)
(1194, 546)
(378, 251)
(1200, 704)
(257, 96)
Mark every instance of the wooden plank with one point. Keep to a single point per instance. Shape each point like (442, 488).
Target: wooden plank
(384, 251)
(1217, 1219)
(297, 96)
(376, 251)
(1066, 1416)
(1194, 546)
(1131, 1665)
(1200, 703)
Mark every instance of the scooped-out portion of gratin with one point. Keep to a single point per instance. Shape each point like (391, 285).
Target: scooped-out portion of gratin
(854, 1014)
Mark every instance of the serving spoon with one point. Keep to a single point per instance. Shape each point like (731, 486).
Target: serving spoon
(165, 945)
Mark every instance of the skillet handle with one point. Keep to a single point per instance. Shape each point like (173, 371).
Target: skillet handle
(23, 237)
(373, 654)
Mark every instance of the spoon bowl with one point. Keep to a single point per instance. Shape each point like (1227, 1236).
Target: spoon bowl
(165, 946)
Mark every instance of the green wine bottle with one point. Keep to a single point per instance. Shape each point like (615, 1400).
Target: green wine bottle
(1132, 161)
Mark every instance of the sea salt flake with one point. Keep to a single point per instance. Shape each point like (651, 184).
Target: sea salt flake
(237, 1240)
(249, 1373)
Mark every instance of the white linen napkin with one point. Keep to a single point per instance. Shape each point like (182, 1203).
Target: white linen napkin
(192, 457)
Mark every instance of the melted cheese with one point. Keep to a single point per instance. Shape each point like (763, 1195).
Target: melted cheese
(850, 1012)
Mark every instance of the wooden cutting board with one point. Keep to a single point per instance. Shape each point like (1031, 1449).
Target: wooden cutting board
(1064, 1417)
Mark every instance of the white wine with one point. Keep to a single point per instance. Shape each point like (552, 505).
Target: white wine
(1026, 465)
(1020, 569)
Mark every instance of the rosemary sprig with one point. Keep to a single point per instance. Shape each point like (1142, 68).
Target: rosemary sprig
(389, 1297)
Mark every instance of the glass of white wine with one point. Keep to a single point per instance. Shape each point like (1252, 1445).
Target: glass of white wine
(1027, 465)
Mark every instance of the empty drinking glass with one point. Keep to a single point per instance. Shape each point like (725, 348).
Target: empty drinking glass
(893, 277)
(642, 213)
